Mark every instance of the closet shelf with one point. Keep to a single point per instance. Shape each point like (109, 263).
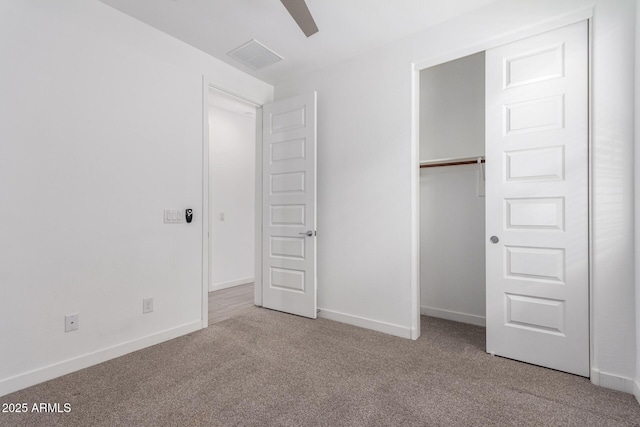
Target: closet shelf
(451, 162)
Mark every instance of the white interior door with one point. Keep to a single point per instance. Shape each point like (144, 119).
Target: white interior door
(537, 200)
(289, 206)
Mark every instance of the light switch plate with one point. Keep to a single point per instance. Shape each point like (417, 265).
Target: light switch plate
(172, 216)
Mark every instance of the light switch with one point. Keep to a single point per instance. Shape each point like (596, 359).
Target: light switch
(221, 216)
(172, 216)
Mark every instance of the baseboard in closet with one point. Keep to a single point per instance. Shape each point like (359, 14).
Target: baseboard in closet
(362, 322)
(453, 315)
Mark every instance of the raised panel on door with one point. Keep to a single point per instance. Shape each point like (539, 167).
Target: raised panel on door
(289, 206)
(537, 200)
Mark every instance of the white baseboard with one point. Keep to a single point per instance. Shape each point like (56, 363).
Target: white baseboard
(36, 376)
(413, 334)
(453, 315)
(636, 391)
(613, 381)
(230, 284)
(376, 325)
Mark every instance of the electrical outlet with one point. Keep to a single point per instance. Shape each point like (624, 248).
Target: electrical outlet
(147, 305)
(71, 322)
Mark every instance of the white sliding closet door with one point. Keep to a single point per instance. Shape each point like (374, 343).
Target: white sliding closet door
(537, 200)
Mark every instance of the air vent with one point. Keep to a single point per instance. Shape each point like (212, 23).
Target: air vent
(255, 55)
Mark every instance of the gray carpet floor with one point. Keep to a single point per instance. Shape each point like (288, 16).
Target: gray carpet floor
(264, 368)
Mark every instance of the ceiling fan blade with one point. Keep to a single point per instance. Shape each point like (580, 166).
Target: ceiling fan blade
(300, 13)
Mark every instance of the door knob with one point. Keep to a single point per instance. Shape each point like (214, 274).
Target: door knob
(307, 233)
(494, 239)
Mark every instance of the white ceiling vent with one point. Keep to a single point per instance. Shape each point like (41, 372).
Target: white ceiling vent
(255, 55)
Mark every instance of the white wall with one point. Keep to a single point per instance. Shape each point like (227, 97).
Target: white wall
(614, 356)
(452, 109)
(364, 197)
(365, 168)
(102, 129)
(232, 142)
(452, 244)
(452, 236)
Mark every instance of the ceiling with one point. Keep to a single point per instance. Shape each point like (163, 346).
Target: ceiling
(347, 27)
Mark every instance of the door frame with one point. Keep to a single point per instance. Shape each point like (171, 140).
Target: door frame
(416, 67)
(207, 220)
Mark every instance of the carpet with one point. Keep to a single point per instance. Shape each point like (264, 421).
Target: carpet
(265, 368)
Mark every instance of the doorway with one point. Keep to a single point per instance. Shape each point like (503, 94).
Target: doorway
(452, 202)
(232, 218)
(279, 198)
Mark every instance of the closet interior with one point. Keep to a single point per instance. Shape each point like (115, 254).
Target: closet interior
(452, 203)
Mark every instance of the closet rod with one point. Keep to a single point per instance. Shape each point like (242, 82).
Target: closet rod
(451, 162)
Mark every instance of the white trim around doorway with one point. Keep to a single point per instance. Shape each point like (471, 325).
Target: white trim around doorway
(207, 85)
